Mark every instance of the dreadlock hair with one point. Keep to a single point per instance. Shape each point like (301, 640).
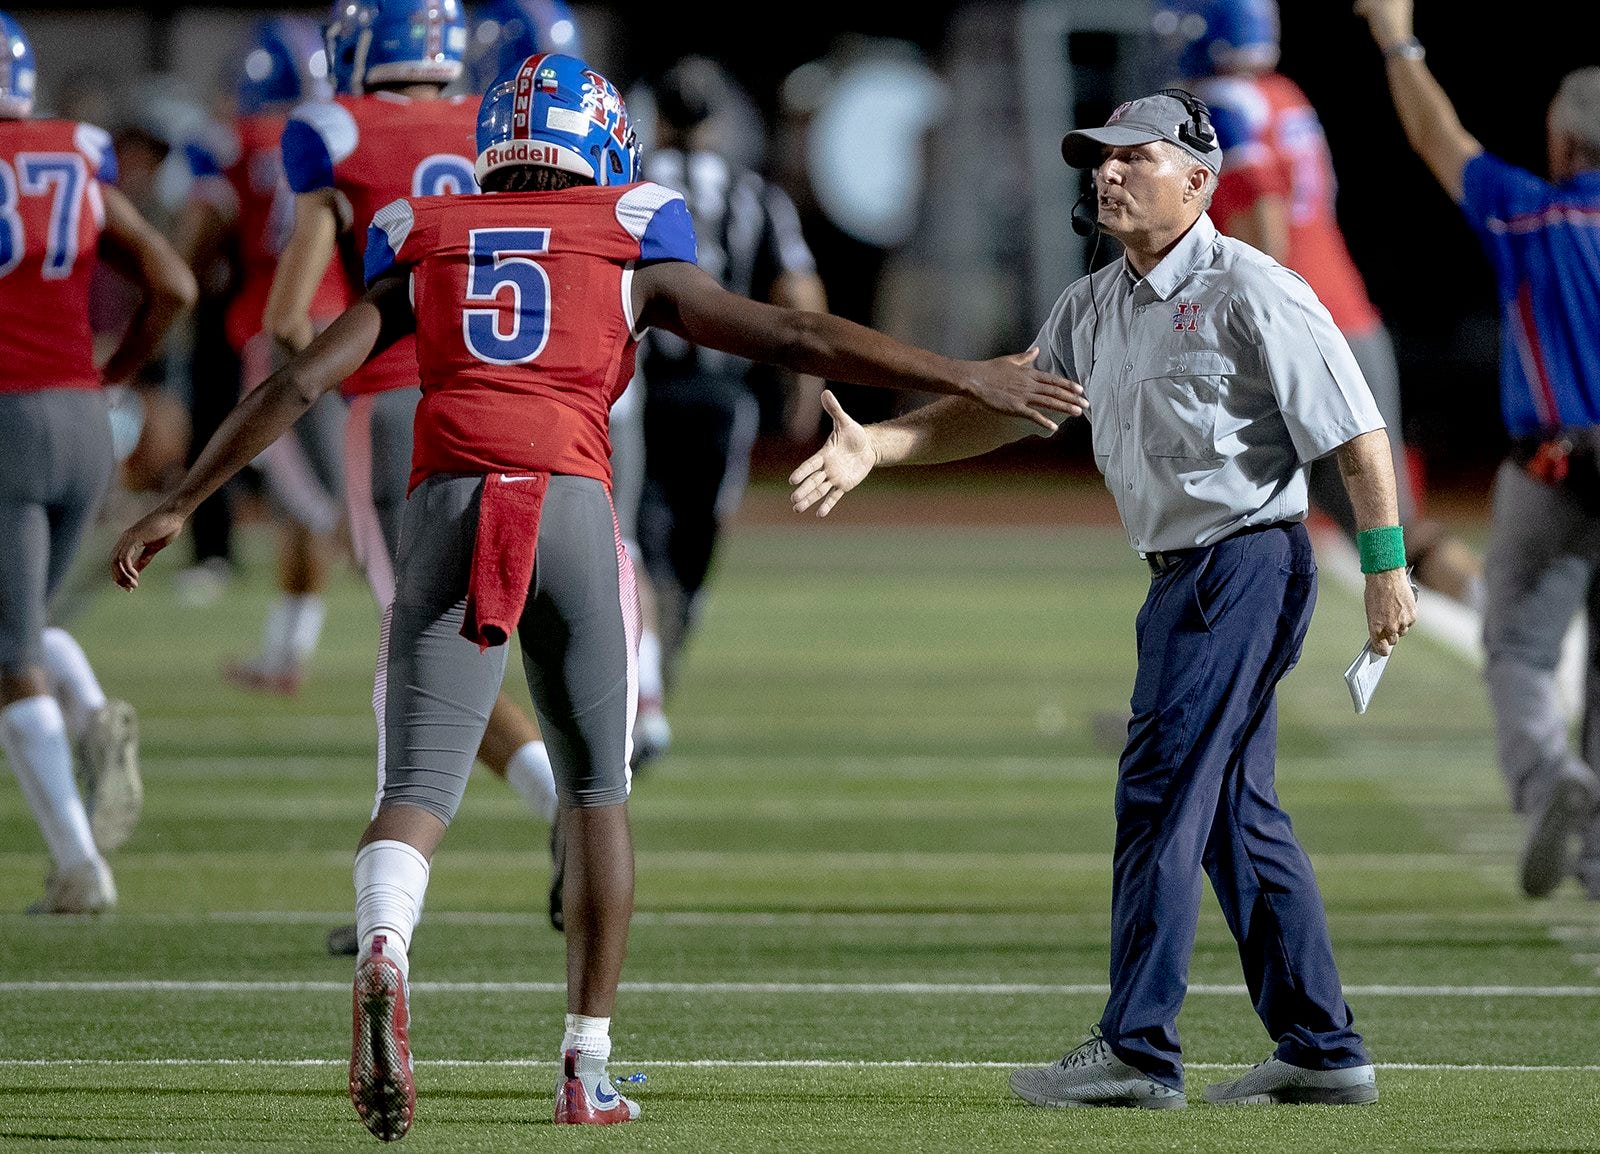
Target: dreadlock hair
(532, 178)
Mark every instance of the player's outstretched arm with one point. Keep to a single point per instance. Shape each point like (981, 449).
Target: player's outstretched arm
(683, 299)
(1429, 119)
(366, 328)
(131, 245)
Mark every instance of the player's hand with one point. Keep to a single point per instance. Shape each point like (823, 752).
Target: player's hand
(142, 541)
(1391, 608)
(1011, 385)
(839, 466)
(1390, 20)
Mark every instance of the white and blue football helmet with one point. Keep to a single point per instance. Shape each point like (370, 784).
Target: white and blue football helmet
(555, 110)
(504, 33)
(285, 62)
(17, 75)
(1201, 38)
(372, 42)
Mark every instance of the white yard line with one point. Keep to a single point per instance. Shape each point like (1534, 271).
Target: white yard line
(994, 989)
(731, 1064)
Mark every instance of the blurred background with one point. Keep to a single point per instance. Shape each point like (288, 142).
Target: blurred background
(922, 150)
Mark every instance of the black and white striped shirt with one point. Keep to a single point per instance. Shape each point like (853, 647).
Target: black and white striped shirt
(747, 235)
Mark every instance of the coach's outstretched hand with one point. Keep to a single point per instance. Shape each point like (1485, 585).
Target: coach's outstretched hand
(836, 468)
(1013, 387)
(142, 541)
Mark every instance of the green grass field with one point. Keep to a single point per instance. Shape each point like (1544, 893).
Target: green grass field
(874, 874)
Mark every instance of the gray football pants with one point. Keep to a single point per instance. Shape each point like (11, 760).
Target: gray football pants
(1543, 568)
(578, 632)
(377, 472)
(56, 466)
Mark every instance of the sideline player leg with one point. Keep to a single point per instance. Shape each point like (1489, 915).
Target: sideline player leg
(53, 480)
(303, 473)
(377, 470)
(437, 689)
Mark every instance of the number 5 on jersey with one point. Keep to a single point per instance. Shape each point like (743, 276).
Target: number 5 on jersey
(507, 332)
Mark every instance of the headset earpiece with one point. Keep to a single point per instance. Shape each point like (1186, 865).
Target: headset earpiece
(1198, 132)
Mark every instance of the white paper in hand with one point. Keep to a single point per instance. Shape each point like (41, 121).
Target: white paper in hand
(1362, 676)
(1364, 672)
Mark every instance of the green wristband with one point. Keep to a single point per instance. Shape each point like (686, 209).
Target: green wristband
(1382, 549)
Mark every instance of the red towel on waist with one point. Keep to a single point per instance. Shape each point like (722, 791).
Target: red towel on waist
(502, 556)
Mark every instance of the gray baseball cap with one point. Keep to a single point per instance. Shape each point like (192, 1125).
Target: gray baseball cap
(1142, 121)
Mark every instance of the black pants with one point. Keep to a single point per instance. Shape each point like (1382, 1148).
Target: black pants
(698, 433)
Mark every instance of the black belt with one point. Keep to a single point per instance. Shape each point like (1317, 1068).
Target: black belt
(1164, 560)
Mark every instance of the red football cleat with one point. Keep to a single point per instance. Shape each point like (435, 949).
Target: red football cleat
(253, 677)
(585, 1096)
(380, 1054)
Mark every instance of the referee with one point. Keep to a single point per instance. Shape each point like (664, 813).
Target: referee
(701, 413)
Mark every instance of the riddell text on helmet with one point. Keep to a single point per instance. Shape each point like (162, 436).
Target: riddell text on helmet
(521, 152)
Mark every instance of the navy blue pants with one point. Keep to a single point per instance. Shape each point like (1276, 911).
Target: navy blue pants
(1195, 792)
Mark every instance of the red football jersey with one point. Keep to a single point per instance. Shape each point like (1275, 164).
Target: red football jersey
(525, 327)
(240, 174)
(51, 214)
(373, 149)
(1273, 144)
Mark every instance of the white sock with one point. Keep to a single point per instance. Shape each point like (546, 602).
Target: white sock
(529, 773)
(34, 735)
(305, 631)
(590, 1036)
(73, 678)
(650, 668)
(391, 878)
(275, 630)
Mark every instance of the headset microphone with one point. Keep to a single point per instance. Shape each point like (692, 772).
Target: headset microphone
(1083, 223)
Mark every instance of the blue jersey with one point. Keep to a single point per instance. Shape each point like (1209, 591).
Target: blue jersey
(1544, 242)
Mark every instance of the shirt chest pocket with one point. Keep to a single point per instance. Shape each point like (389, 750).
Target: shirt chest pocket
(1177, 410)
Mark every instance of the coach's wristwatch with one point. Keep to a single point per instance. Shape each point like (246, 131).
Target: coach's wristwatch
(1408, 49)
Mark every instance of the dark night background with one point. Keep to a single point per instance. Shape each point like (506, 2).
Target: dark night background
(1423, 266)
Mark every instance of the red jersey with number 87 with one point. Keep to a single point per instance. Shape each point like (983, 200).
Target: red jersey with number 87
(51, 214)
(525, 326)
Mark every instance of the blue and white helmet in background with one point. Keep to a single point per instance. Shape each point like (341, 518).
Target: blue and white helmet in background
(373, 42)
(17, 75)
(504, 33)
(1202, 38)
(285, 62)
(556, 111)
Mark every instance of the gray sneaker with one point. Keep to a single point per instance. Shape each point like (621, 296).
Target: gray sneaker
(108, 774)
(1092, 1075)
(1275, 1082)
(1571, 801)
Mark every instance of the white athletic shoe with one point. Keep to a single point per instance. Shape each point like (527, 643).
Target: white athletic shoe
(1275, 1082)
(586, 1095)
(108, 774)
(85, 889)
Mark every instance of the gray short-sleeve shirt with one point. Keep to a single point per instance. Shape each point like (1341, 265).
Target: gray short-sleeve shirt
(1212, 383)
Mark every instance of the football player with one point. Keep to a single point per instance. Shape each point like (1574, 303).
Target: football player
(389, 131)
(240, 204)
(527, 304)
(59, 214)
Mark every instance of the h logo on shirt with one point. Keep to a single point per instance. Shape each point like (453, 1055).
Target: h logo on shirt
(1187, 318)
